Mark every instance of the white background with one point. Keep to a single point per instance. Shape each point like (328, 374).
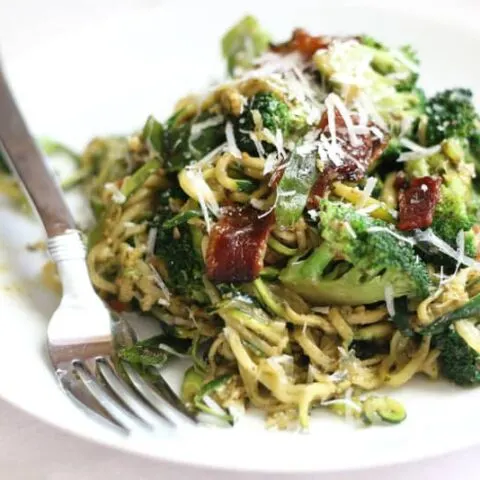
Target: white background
(30, 449)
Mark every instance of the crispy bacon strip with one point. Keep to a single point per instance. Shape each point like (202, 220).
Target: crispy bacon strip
(355, 158)
(237, 245)
(302, 42)
(417, 202)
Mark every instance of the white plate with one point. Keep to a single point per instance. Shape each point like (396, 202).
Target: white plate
(108, 78)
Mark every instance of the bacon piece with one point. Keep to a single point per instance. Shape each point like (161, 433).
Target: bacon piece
(302, 42)
(417, 203)
(237, 245)
(355, 158)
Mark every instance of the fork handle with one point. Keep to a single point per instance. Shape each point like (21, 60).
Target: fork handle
(28, 163)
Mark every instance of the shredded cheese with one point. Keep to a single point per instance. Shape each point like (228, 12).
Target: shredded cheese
(231, 143)
(389, 300)
(159, 281)
(368, 190)
(429, 237)
(416, 151)
(151, 240)
(400, 237)
(350, 230)
(198, 128)
(192, 182)
(460, 240)
(347, 118)
(117, 195)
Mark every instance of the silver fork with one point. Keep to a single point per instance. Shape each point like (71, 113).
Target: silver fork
(81, 334)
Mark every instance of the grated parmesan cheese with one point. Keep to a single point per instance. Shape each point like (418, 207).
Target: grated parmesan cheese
(429, 237)
(389, 300)
(198, 128)
(199, 189)
(151, 240)
(416, 151)
(347, 118)
(400, 237)
(368, 190)
(117, 195)
(350, 230)
(159, 281)
(257, 143)
(231, 143)
(460, 240)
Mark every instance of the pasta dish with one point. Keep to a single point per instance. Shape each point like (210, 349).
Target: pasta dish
(305, 231)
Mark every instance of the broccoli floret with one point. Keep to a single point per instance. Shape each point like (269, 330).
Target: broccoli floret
(452, 215)
(243, 43)
(460, 355)
(455, 209)
(356, 262)
(450, 113)
(275, 115)
(385, 79)
(179, 250)
(182, 144)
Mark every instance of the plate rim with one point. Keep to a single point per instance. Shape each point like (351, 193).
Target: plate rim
(264, 468)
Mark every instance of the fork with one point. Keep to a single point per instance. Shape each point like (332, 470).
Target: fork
(82, 334)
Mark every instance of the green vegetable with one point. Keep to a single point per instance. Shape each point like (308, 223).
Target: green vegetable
(243, 43)
(279, 247)
(450, 113)
(294, 188)
(145, 353)
(181, 218)
(191, 385)
(267, 298)
(183, 145)
(401, 318)
(253, 324)
(275, 115)
(269, 273)
(133, 182)
(153, 135)
(209, 389)
(52, 148)
(354, 266)
(246, 185)
(183, 260)
(468, 310)
(452, 215)
(199, 352)
(82, 173)
(104, 160)
(154, 351)
(460, 353)
(385, 408)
